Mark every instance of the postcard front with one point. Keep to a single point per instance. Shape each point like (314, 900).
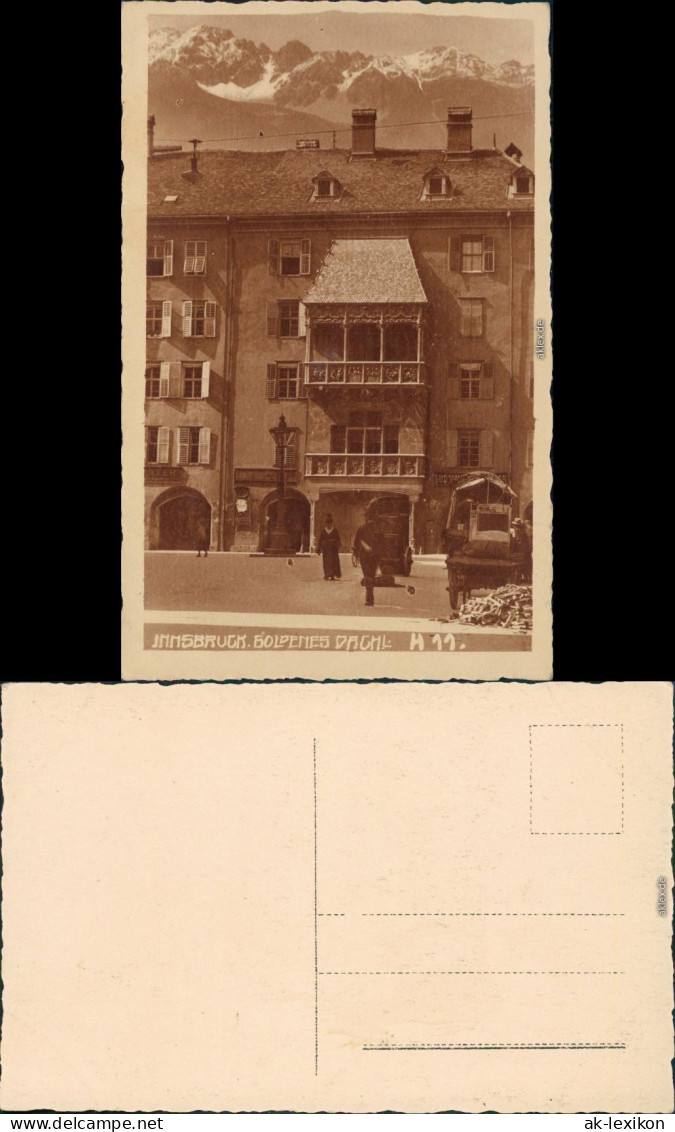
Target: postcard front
(337, 897)
(336, 411)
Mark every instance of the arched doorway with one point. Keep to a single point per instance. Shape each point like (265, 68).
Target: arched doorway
(184, 523)
(297, 519)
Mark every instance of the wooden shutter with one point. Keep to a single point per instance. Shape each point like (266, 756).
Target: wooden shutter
(455, 253)
(205, 446)
(302, 322)
(175, 375)
(305, 256)
(187, 318)
(289, 452)
(453, 381)
(453, 448)
(487, 382)
(168, 257)
(190, 252)
(485, 451)
(183, 445)
(209, 320)
(206, 377)
(163, 436)
(488, 253)
(273, 257)
(302, 382)
(271, 387)
(166, 319)
(272, 319)
(164, 371)
(200, 258)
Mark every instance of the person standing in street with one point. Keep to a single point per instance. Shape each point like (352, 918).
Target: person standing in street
(366, 549)
(328, 545)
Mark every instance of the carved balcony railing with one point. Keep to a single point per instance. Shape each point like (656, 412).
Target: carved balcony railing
(383, 466)
(364, 373)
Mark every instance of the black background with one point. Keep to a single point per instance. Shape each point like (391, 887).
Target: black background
(613, 420)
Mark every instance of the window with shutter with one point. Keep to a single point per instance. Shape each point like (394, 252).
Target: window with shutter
(469, 381)
(187, 318)
(469, 445)
(471, 318)
(192, 380)
(195, 257)
(163, 441)
(287, 381)
(273, 257)
(271, 386)
(294, 257)
(157, 322)
(289, 318)
(205, 446)
(155, 258)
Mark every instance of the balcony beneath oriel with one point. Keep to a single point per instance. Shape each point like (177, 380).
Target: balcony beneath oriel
(392, 466)
(371, 373)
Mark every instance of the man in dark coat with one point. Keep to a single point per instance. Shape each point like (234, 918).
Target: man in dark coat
(366, 548)
(328, 545)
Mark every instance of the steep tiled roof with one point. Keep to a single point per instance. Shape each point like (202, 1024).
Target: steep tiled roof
(367, 271)
(236, 183)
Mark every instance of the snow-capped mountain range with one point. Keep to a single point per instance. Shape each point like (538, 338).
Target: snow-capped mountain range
(205, 66)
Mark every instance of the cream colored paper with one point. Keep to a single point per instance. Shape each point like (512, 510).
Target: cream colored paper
(350, 898)
(237, 642)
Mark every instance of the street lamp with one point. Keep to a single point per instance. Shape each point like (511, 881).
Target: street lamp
(280, 542)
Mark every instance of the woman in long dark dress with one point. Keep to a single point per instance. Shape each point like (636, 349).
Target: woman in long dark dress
(329, 545)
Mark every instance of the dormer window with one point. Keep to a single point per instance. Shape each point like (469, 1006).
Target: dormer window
(522, 183)
(326, 186)
(436, 185)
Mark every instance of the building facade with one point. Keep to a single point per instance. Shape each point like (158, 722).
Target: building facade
(380, 300)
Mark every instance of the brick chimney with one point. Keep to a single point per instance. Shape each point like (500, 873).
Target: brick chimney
(151, 135)
(363, 133)
(459, 130)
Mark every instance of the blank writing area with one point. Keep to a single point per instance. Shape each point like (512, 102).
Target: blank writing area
(576, 779)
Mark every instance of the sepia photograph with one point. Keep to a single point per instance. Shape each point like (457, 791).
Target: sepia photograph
(330, 440)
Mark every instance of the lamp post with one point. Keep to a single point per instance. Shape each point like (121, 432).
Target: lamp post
(280, 542)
